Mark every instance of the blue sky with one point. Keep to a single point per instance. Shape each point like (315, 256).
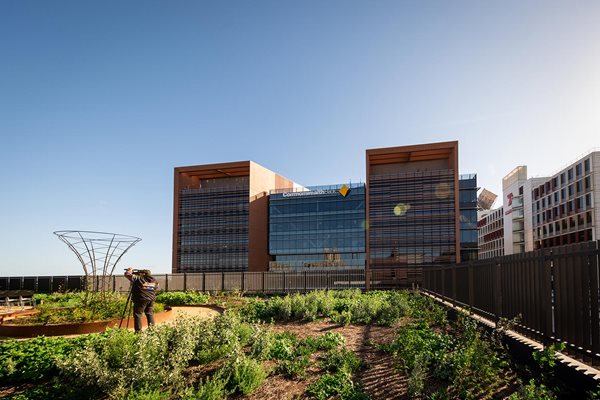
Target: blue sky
(99, 101)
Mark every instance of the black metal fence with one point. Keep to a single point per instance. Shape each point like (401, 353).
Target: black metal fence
(250, 282)
(554, 293)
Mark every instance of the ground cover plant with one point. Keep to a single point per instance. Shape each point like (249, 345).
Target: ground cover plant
(322, 345)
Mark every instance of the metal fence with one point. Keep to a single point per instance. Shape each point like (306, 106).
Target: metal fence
(250, 282)
(553, 292)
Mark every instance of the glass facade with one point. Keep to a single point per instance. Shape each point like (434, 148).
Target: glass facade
(319, 228)
(412, 219)
(468, 217)
(213, 226)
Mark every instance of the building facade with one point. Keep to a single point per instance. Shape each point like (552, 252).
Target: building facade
(413, 212)
(491, 233)
(469, 245)
(412, 209)
(565, 207)
(323, 227)
(518, 203)
(220, 217)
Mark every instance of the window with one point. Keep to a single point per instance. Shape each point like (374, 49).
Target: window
(578, 169)
(586, 164)
(570, 174)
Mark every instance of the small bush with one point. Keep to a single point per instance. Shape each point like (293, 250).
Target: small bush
(245, 374)
(182, 298)
(340, 360)
(212, 388)
(338, 385)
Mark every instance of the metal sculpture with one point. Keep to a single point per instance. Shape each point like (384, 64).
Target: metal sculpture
(98, 253)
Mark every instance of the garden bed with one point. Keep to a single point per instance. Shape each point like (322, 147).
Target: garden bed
(323, 345)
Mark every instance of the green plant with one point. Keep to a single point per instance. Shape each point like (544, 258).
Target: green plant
(182, 298)
(340, 360)
(546, 358)
(531, 391)
(244, 374)
(416, 378)
(213, 388)
(338, 385)
(148, 394)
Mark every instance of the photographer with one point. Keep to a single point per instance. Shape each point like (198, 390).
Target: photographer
(143, 294)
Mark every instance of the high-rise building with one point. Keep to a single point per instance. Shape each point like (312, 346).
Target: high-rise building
(565, 208)
(220, 216)
(491, 233)
(518, 228)
(468, 217)
(412, 209)
(413, 213)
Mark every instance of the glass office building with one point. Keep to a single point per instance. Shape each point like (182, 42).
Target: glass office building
(468, 217)
(319, 228)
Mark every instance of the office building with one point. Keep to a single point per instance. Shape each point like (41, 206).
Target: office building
(220, 216)
(491, 233)
(468, 217)
(319, 228)
(412, 209)
(413, 212)
(518, 226)
(565, 208)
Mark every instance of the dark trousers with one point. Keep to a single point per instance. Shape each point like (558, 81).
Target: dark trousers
(143, 307)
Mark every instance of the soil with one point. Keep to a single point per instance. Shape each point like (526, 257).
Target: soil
(378, 377)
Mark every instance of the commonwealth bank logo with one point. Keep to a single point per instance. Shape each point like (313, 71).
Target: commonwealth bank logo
(344, 190)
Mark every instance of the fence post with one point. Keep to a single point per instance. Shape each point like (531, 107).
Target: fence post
(222, 281)
(185, 281)
(263, 282)
(243, 279)
(114, 283)
(304, 281)
(497, 290)
(284, 281)
(204, 281)
(471, 286)
(166, 282)
(454, 285)
(327, 279)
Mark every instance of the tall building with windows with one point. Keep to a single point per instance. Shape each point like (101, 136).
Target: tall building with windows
(518, 227)
(468, 217)
(319, 228)
(412, 209)
(412, 213)
(220, 216)
(491, 233)
(565, 208)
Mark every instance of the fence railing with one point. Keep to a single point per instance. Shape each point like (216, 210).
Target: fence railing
(554, 293)
(250, 282)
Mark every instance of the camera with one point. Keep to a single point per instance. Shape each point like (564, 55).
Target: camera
(136, 271)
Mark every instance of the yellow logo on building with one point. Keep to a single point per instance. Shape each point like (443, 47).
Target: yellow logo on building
(344, 190)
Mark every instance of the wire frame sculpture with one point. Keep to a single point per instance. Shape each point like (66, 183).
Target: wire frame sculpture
(99, 253)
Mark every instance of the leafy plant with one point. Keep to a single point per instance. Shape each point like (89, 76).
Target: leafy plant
(182, 298)
(339, 385)
(244, 374)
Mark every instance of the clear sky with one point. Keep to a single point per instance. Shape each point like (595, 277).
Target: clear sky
(100, 100)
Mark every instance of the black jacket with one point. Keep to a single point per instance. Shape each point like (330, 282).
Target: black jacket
(144, 288)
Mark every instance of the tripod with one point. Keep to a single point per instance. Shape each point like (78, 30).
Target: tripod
(128, 304)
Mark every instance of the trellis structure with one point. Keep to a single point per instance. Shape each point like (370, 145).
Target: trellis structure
(99, 253)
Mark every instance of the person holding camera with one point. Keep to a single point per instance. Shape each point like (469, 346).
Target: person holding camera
(143, 294)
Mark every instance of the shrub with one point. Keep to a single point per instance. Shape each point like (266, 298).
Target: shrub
(34, 360)
(339, 385)
(244, 374)
(148, 394)
(340, 360)
(182, 298)
(212, 388)
(127, 361)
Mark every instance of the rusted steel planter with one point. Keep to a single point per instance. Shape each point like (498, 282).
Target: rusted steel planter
(25, 331)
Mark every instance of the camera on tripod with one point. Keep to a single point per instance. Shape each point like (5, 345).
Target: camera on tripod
(137, 271)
